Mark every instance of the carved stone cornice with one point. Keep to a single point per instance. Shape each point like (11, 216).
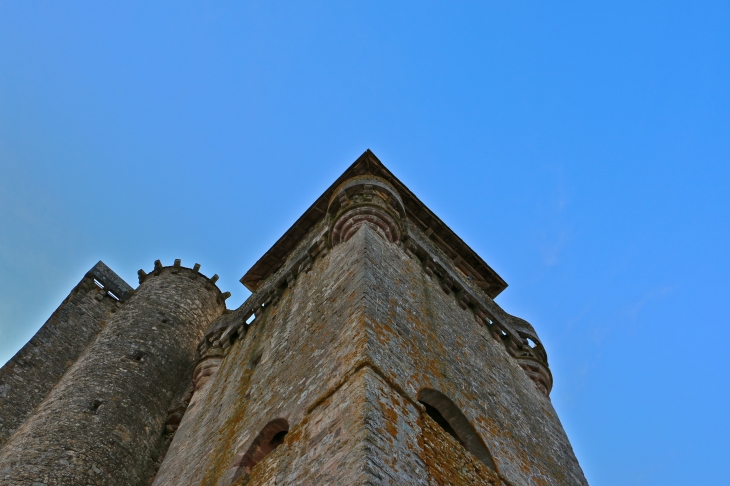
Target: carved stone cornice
(517, 335)
(414, 211)
(367, 200)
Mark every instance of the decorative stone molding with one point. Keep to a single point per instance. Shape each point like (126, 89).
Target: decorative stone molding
(211, 355)
(406, 204)
(537, 371)
(532, 356)
(514, 333)
(365, 199)
(346, 215)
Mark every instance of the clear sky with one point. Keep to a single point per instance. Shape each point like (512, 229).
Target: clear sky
(581, 149)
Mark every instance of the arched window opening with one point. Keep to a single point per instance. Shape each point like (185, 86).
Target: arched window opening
(270, 437)
(443, 423)
(448, 416)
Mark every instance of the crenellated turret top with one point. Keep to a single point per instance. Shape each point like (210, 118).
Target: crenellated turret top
(192, 273)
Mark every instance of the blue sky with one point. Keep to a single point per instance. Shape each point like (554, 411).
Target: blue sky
(581, 149)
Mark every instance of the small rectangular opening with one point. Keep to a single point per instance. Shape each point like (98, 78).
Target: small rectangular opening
(99, 284)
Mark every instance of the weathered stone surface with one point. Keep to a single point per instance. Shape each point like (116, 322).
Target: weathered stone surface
(103, 422)
(422, 338)
(37, 367)
(448, 462)
(361, 434)
(366, 311)
(288, 358)
(371, 352)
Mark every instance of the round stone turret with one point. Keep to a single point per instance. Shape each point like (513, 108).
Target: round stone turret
(103, 422)
(531, 355)
(365, 199)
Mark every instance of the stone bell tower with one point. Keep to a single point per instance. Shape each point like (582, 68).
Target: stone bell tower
(371, 351)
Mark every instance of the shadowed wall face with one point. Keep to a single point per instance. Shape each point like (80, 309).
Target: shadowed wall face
(36, 368)
(103, 422)
(32, 372)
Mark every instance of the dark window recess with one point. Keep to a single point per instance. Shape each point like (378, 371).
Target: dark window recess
(270, 437)
(95, 404)
(277, 440)
(448, 416)
(439, 419)
(256, 359)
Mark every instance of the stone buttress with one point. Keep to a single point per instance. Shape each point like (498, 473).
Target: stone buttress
(104, 421)
(370, 352)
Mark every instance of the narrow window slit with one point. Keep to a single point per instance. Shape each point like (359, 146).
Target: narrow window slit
(95, 404)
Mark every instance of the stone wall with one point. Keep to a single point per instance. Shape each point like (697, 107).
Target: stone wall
(280, 367)
(449, 463)
(362, 433)
(341, 354)
(421, 337)
(103, 423)
(29, 375)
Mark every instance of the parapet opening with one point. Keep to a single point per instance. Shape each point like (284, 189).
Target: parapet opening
(448, 416)
(232, 337)
(270, 437)
(99, 284)
(531, 343)
(251, 319)
(111, 294)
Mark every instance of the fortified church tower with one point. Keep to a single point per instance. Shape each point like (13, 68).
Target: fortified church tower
(371, 351)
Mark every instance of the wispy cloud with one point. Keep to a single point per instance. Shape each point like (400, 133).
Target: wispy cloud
(551, 247)
(659, 293)
(557, 232)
